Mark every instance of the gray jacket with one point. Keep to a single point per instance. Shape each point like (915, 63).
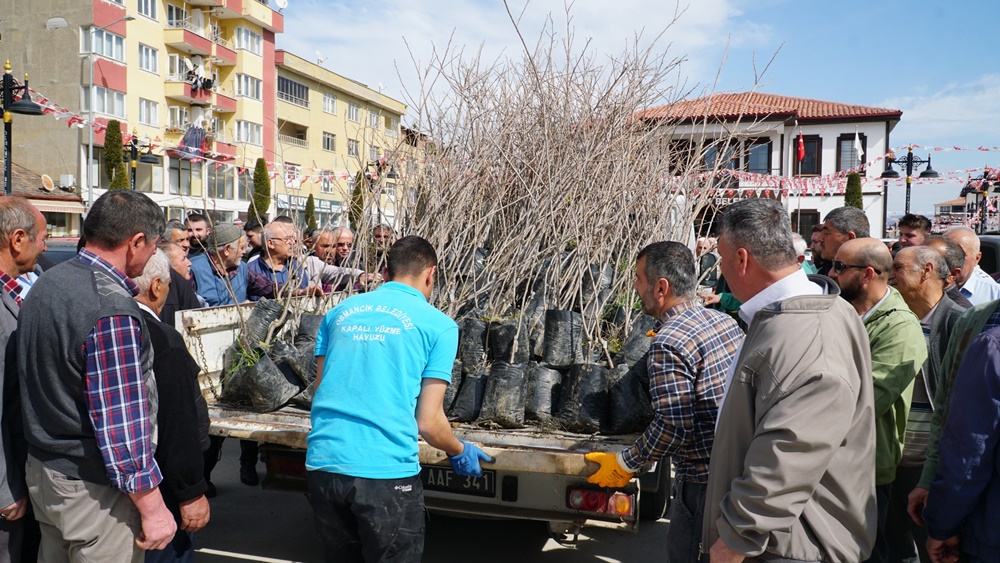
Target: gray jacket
(792, 470)
(942, 322)
(12, 444)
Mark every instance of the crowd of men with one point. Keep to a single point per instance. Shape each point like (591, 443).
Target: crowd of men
(853, 417)
(823, 433)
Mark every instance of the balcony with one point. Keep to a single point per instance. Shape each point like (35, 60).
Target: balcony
(209, 3)
(294, 141)
(224, 102)
(261, 14)
(183, 36)
(283, 96)
(176, 88)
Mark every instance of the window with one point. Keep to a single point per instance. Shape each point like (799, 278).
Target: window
(176, 16)
(249, 41)
(730, 160)
(293, 176)
(182, 175)
(847, 154)
(106, 44)
(148, 112)
(390, 191)
(758, 156)
(219, 129)
(147, 8)
(248, 86)
(352, 148)
(119, 2)
(180, 117)
(293, 92)
(247, 132)
(353, 112)
(392, 127)
(373, 153)
(149, 59)
(329, 142)
(221, 182)
(108, 102)
(244, 185)
(327, 183)
(329, 103)
(812, 164)
(373, 119)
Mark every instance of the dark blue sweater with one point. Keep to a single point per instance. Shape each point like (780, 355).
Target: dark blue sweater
(964, 498)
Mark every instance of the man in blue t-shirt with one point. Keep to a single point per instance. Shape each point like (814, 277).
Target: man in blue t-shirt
(382, 357)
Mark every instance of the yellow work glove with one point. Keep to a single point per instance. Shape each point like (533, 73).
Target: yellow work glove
(611, 474)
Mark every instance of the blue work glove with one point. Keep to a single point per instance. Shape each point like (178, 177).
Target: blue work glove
(467, 462)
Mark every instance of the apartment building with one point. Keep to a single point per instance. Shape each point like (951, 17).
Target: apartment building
(194, 79)
(332, 131)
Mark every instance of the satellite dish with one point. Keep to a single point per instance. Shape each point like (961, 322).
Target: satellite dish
(47, 184)
(319, 58)
(281, 4)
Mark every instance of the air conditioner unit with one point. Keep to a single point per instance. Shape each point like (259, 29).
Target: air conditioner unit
(67, 181)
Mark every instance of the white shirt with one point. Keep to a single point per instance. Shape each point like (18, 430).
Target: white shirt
(869, 312)
(979, 290)
(792, 285)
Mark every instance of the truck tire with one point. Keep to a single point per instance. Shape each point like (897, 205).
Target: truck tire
(653, 503)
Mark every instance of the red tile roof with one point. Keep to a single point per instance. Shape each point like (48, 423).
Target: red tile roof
(760, 105)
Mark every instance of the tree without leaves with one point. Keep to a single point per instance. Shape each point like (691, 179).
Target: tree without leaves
(541, 174)
(260, 202)
(356, 208)
(852, 195)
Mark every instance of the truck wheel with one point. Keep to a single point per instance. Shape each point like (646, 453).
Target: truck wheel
(653, 505)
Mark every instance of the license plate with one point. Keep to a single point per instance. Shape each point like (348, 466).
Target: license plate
(445, 480)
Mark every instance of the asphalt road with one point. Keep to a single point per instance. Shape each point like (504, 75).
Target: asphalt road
(251, 524)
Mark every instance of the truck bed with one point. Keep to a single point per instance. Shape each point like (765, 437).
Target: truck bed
(528, 449)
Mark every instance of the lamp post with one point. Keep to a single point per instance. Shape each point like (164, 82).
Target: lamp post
(90, 102)
(910, 164)
(23, 106)
(981, 189)
(147, 157)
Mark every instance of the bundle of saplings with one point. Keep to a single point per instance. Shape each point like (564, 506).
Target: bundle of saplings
(469, 399)
(630, 407)
(263, 376)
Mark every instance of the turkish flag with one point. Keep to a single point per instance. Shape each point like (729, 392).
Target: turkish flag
(802, 148)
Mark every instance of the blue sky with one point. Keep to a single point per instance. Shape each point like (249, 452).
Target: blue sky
(934, 60)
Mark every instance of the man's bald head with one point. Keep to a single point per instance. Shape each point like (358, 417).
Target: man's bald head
(869, 252)
(969, 241)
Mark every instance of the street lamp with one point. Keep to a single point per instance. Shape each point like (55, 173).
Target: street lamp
(980, 189)
(147, 157)
(910, 164)
(90, 100)
(24, 106)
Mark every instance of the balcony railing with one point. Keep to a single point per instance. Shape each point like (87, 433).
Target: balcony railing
(186, 24)
(293, 99)
(295, 141)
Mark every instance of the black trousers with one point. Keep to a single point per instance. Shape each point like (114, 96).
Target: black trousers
(880, 553)
(368, 520)
(684, 533)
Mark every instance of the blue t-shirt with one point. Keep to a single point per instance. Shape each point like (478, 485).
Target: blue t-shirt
(213, 288)
(378, 347)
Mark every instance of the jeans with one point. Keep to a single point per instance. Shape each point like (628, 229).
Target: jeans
(368, 519)
(685, 514)
(880, 553)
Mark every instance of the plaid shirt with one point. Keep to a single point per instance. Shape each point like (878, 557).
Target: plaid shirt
(263, 281)
(687, 365)
(116, 394)
(12, 287)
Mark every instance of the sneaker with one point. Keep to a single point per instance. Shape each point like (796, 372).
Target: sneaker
(248, 475)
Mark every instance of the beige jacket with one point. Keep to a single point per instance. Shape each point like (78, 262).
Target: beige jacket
(792, 470)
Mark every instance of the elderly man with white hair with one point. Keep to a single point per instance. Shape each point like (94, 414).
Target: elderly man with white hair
(182, 419)
(975, 284)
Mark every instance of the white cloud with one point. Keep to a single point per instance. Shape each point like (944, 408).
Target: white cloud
(367, 42)
(966, 111)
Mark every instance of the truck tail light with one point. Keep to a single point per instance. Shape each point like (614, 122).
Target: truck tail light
(591, 500)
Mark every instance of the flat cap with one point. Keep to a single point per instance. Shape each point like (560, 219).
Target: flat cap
(223, 234)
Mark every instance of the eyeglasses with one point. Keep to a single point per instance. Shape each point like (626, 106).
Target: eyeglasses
(839, 267)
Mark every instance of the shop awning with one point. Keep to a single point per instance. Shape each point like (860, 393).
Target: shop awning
(59, 206)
